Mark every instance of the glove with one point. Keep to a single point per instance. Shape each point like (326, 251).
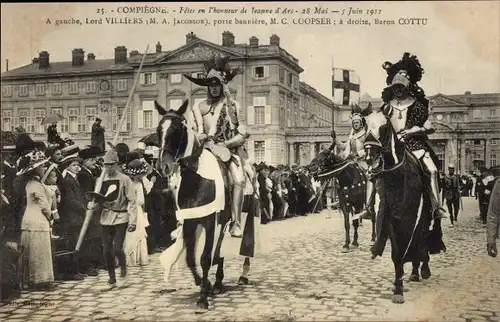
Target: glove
(492, 249)
(131, 228)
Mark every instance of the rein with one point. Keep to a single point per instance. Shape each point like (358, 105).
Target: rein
(338, 169)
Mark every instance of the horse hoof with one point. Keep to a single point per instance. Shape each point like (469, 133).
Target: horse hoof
(355, 245)
(414, 278)
(426, 273)
(218, 288)
(345, 249)
(243, 280)
(398, 299)
(197, 280)
(201, 307)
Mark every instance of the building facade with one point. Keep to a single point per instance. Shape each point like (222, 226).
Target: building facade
(276, 106)
(467, 129)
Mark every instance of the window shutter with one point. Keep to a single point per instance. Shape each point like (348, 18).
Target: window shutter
(153, 78)
(250, 150)
(250, 115)
(267, 151)
(140, 120)
(267, 114)
(256, 101)
(142, 80)
(266, 71)
(155, 118)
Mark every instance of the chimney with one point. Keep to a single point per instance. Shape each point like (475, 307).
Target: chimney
(254, 41)
(190, 37)
(158, 48)
(227, 39)
(90, 57)
(274, 40)
(43, 60)
(134, 53)
(121, 55)
(6, 65)
(78, 57)
(468, 97)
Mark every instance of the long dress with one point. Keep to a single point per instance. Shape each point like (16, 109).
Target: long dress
(136, 246)
(36, 236)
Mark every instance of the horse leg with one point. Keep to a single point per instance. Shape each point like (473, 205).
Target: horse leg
(397, 295)
(219, 276)
(414, 276)
(426, 271)
(206, 263)
(347, 226)
(374, 221)
(244, 274)
(190, 239)
(356, 224)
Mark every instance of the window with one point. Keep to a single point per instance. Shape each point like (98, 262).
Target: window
(39, 115)
(73, 88)
(494, 141)
(260, 114)
(40, 89)
(477, 114)
(7, 91)
(478, 142)
(259, 148)
(282, 75)
(493, 160)
(23, 90)
(260, 72)
(7, 121)
(121, 85)
(90, 115)
(282, 112)
(91, 87)
(344, 117)
(197, 75)
(117, 115)
(148, 119)
(175, 103)
(24, 120)
(478, 155)
(290, 79)
(148, 78)
(56, 88)
(493, 113)
(175, 78)
(146, 116)
(73, 114)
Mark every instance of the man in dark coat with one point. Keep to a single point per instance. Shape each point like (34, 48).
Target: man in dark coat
(53, 136)
(97, 135)
(483, 193)
(92, 246)
(264, 192)
(72, 210)
(451, 192)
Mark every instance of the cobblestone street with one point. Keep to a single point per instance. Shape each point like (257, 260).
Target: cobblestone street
(301, 274)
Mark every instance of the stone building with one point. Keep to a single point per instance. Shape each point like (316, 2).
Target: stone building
(467, 129)
(287, 118)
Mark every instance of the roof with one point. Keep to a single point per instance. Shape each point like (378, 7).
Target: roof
(59, 68)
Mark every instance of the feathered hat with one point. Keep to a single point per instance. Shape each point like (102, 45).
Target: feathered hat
(357, 113)
(30, 161)
(136, 168)
(407, 72)
(217, 68)
(70, 154)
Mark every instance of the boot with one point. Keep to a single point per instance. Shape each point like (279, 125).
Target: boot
(236, 207)
(370, 195)
(436, 201)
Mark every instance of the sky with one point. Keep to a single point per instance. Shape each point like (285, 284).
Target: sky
(459, 47)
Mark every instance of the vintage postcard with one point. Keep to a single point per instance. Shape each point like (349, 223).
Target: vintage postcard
(264, 161)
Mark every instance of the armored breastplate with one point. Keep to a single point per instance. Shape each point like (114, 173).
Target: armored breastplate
(399, 113)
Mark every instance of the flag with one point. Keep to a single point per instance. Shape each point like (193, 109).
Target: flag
(345, 86)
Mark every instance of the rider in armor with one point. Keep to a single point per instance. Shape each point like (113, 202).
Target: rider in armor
(408, 110)
(219, 126)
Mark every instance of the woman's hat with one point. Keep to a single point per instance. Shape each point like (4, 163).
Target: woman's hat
(136, 168)
(111, 157)
(262, 166)
(30, 161)
(70, 154)
(93, 151)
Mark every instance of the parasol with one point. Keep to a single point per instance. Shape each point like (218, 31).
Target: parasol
(53, 118)
(151, 140)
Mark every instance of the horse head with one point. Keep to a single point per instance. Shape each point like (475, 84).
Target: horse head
(325, 161)
(383, 149)
(172, 136)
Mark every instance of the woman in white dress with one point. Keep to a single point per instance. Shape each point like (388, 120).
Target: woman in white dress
(135, 246)
(38, 271)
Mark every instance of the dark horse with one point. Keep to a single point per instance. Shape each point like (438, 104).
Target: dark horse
(405, 211)
(181, 157)
(352, 189)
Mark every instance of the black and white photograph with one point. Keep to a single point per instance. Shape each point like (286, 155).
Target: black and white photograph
(250, 161)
